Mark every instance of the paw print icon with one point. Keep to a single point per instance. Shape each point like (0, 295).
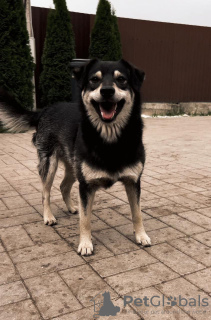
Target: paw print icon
(172, 301)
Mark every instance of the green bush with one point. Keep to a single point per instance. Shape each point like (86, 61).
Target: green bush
(105, 37)
(16, 62)
(59, 50)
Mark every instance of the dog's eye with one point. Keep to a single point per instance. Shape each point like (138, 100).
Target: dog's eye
(121, 80)
(94, 79)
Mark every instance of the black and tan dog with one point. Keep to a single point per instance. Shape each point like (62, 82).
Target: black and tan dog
(99, 141)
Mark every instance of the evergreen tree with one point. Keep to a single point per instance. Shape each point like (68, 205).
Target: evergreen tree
(117, 42)
(105, 38)
(16, 62)
(59, 50)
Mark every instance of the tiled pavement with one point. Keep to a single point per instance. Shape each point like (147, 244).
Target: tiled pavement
(42, 276)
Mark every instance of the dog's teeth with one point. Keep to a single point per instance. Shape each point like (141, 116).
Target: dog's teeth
(102, 114)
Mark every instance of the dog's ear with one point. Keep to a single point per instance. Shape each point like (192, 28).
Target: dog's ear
(82, 72)
(137, 76)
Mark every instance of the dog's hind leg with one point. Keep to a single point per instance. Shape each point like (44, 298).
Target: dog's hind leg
(86, 198)
(66, 187)
(47, 169)
(133, 193)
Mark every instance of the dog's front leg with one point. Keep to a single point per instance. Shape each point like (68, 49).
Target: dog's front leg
(86, 197)
(133, 193)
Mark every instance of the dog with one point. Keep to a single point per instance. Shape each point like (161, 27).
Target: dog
(98, 139)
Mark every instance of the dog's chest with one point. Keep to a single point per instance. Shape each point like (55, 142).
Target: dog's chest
(93, 175)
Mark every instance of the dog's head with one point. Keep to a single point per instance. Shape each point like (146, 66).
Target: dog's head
(108, 90)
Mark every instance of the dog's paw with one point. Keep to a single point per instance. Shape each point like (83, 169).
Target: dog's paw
(142, 238)
(85, 248)
(50, 220)
(73, 210)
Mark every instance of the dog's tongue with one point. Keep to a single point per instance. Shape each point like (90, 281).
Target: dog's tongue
(108, 114)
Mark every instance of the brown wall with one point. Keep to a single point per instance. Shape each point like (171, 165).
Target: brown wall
(176, 58)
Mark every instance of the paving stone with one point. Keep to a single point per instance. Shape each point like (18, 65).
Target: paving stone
(164, 235)
(126, 211)
(18, 220)
(85, 283)
(204, 237)
(40, 251)
(124, 262)
(193, 248)
(114, 241)
(197, 218)
(165, 210)
(182, 224)
(40, 233)
(52, 296)
(183, 288)
(111, 217)
(188, 203)
(49, 264)
(15, 202)
(173, 257)
(13, 292)
(205, 211)
(139, 278)
(23, 310)
(15, 238)
(201, 279)
(7, 270)
(16, 212)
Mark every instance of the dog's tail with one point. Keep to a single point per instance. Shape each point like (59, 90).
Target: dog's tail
(14, 117)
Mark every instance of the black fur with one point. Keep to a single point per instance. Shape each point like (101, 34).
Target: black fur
(64, 130)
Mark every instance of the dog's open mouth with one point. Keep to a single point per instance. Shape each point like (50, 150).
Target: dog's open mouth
(108, 110)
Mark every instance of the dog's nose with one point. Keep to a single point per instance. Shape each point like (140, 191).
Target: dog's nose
(107, 91)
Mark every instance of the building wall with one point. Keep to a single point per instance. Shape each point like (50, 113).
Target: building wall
(175, 57)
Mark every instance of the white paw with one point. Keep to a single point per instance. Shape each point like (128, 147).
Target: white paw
(73, 210)
(142, 238)
(49, 220)
(85, 248)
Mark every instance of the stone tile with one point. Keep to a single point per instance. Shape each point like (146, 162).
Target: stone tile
(205, 211)
(164, 235)
(107, 203)
(15, 202)
(15, 238)
(194, 249)
(183, 288)
(23, 310)
(125, 211)
(16, 212)
(7, 270)
(13, 292)
(26, 218)
(160, 202)
(190, 187)
(204, 238)
(206, 201)
(2, 205)
(139, 278)
(85, 283)
(172, 258)
(188, 203)
(121, 263)
(39, 251)
(52, 296)
(198, 219)
(1, 248)
(40, 233)
(182, 224)
(49, 264)
(114, 241)
(160, 310)
(201, 279)
(57, 212)
(165, 210)
(111, 217)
